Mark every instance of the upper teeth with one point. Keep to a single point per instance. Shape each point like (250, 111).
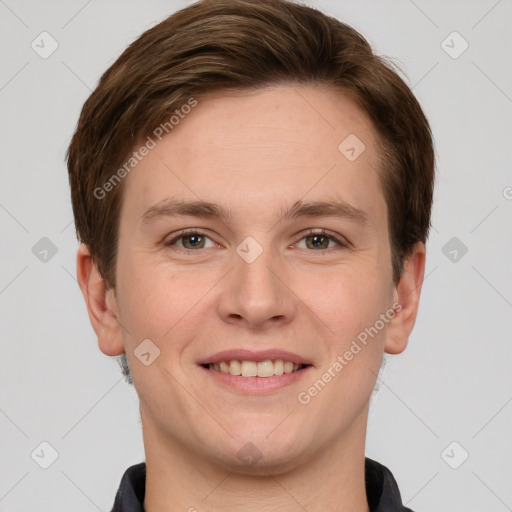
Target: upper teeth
(254, 369)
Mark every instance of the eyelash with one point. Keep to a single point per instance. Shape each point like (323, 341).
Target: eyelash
(313, 232)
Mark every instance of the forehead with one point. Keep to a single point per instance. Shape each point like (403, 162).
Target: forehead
(258, 151)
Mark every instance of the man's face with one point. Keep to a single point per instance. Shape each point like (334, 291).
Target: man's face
(257, 280)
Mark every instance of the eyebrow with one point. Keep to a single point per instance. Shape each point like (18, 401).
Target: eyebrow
(209, 210)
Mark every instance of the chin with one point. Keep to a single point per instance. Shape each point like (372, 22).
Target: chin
(275, 453)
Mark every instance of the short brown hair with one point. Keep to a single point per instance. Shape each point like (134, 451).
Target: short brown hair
(245, 44)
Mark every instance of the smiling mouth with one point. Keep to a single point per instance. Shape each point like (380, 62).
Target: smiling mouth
(267, 368)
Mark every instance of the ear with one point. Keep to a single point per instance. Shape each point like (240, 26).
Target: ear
(406, 297)
(101, 304)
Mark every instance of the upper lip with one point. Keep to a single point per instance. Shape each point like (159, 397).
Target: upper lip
(257, 356)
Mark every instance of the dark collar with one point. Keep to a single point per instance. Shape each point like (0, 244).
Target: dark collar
(381, 489)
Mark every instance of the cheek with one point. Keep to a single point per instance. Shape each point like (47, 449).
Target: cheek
(163, 304)
(348, 299)
(147, 305)
(342, 388)
(154, 308)
(356, 332)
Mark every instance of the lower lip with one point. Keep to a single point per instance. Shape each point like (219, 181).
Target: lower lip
(256, 385)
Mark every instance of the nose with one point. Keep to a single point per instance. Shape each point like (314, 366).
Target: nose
(256, 294)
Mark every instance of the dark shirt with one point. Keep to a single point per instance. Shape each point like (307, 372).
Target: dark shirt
(381, 489)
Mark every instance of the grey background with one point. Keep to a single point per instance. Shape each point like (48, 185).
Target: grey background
(453, 383)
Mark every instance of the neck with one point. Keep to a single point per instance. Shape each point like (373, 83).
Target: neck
(179, 478)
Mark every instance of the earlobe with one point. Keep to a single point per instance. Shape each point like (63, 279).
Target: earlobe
(407, 296)
(101, 304)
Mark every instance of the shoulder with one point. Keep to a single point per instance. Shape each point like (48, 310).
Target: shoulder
(381, 489)
(132, 489)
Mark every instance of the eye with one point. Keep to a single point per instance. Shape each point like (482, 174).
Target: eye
(319, 239)
(191, 240)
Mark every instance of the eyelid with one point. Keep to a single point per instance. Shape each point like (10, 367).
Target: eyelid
(340, 240)
(185, 232)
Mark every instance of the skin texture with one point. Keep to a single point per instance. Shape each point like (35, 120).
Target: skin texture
(255, 153)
